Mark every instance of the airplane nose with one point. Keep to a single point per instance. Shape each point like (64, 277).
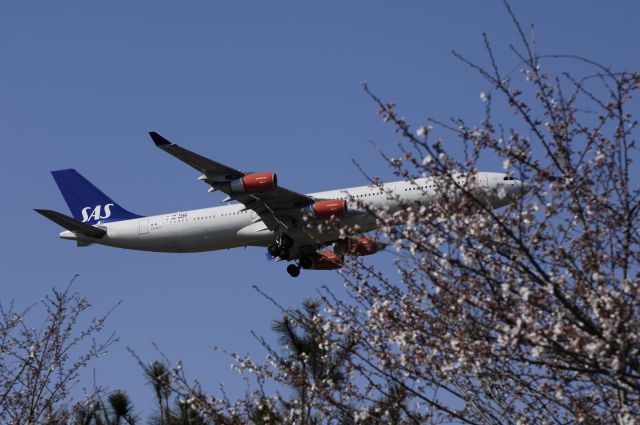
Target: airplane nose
(524, 188)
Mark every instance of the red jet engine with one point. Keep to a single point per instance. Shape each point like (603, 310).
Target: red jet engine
(255, 183)
(327, 209)
(358, 246)
(326, 261)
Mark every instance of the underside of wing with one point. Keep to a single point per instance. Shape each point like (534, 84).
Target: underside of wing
(257, 191)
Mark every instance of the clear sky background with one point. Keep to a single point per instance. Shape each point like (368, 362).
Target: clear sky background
(264, 86)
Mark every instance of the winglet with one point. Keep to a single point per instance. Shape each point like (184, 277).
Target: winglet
(158, 139)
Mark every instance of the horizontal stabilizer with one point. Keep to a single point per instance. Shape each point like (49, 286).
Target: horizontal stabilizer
(72, 224)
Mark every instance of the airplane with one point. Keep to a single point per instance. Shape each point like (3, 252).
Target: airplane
(291, 225)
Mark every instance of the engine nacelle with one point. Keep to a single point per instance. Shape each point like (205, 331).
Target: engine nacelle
(326, 261)
(358, 247)
(327, 209)
(255, 183)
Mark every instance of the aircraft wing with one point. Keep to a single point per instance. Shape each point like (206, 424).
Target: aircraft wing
(273, 207)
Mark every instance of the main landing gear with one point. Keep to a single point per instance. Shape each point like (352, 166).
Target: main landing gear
(280, 248)
(293, 270)
(303, 263)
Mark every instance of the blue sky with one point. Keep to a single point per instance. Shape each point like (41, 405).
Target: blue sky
(264, 86)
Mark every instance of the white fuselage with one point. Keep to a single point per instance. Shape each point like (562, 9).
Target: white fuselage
(232, 225)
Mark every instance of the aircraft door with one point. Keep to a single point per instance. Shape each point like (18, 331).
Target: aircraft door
(144, 226)
(482, 180)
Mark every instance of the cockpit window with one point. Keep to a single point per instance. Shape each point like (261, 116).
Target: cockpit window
(508, 178)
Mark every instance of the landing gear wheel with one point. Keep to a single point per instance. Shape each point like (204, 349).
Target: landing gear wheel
(293, 270)
(286, 241)
(305, 262)
(273, 249)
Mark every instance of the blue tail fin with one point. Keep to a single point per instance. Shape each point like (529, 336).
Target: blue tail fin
(86, 202)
